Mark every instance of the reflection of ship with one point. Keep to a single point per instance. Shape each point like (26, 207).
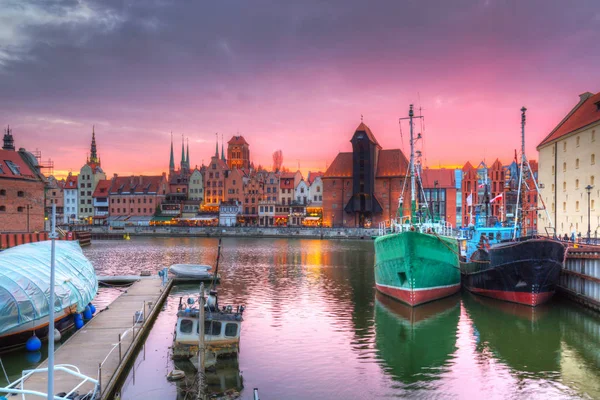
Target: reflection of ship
(227, 379)
(524, 338)
(413, 342)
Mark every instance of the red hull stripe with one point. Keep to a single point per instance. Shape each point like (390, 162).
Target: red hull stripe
(416, 297)
(529, 299)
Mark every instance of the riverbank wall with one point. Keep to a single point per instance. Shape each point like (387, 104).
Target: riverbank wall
(580, 276)
(308, 233)
(8, 240)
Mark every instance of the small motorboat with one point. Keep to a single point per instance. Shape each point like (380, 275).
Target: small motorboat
(191, 271)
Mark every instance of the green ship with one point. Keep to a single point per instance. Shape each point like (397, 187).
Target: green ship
(416, 260)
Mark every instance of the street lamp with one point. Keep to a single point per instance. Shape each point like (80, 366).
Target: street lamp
(589, 191)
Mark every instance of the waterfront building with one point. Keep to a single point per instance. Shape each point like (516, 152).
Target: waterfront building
(302, 192)
(70, 193)
(568, 171)
(281, 215)
(315, 188)
(297, 215)
(136, 199)
(101, 202)
(238, 153)
(287, 192)
(266, 213)
(474, 181)
(229, 212)
(196, 186)
(179, 180)
(89, 176)
(253, 194)
(54, 195)
(234, 186)
(271, 186)
(214, 178)
(21, 189)
(362, 188)
(439, 193)
(459, 199)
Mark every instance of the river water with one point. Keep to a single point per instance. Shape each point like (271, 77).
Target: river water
(314, 328)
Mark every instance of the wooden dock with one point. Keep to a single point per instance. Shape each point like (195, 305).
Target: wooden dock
(97, 343)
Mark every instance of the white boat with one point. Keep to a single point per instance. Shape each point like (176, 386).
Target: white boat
(191, 271)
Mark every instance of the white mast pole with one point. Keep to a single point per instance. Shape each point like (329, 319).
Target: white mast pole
(51, 307)
(412, 163)
(520, 171)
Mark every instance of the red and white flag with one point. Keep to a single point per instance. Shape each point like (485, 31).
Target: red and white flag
(496, 198)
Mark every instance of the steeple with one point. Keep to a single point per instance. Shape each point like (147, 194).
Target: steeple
(217, 146)
(172, 160)
(187, 155)
(222, 148)
(93, 154)
(9, 142)
(182, 164)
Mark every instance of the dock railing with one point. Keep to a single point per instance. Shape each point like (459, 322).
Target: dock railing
(139, 318)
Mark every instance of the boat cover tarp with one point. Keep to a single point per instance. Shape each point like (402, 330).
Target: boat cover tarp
(25, 282)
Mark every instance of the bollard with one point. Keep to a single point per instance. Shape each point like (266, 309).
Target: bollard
(120, 358)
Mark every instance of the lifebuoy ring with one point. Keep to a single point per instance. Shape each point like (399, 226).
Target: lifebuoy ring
(70, 235)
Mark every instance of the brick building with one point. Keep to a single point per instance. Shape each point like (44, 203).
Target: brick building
(362, 188)
(55, 195)
(21, 189)
(238, 153)
(439, 192)
(137, 195)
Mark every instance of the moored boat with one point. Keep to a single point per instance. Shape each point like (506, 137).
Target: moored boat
(501, 264)
(191, 271)
(25, 282)
(416, 257)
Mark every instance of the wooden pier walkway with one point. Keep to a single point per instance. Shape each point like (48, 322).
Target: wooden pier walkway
(94, 344)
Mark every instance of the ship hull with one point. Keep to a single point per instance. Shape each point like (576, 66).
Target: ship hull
(524, 272)
(416, 268)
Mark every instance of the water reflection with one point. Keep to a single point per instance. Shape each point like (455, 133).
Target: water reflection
(416, 344)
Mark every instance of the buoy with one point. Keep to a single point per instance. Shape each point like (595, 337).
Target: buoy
(87, 313)
(175, 375)
(92, 308)
(33, 357)
(78, 322)
(76, 316)
(33, 344)
(57, 335)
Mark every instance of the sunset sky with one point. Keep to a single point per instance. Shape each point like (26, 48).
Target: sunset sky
(295, 76)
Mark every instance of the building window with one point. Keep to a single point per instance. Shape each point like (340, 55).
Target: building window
(577, 163)
(576, 183)
(577, 141)
(553, 188)
(564, 186)
(552, 207)
(564, 146)
(577, 206)
(553, 170)
(593, 159)
(20, 209)
(593, 136)
(564, 167)
(2, 192)
(564, 206)
(2, 208)
(20, 193)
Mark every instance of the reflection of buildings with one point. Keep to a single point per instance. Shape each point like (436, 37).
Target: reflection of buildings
(415, 341)
(362, 188)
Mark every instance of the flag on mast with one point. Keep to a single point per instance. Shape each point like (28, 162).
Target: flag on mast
(496, 198)
(470, 200)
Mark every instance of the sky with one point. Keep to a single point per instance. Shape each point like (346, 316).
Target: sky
(289, 75)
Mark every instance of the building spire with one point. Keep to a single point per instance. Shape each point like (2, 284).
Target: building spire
(9, 142)
(93, 155)
(222, 148)
(182, 163)
(217, 145)
(187, 155)
(172, 160)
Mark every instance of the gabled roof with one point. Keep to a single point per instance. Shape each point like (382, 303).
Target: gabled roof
(585, 113)
(313, 175)
(391, 163)
(446, 178)
(102, 188)
(139, 184)
(71, 182)
(286, 183)
(468, 166)
(239, 140)
(364, 128)
(13, 166)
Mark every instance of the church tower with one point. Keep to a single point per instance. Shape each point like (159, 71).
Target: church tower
(172, 159)
(9, 142)
(93, 152)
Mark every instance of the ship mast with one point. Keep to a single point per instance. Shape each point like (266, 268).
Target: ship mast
(523, 161)
(413, 204)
